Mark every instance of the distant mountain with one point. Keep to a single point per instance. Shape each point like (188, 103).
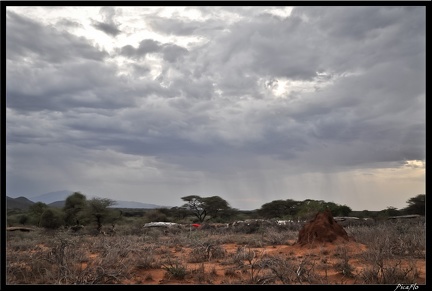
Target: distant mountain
(133, 204)
(58, 204)
(51, 197)
(58, 199)
(18, 203)
(119, 204)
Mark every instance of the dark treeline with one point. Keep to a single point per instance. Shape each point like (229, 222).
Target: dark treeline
(78, 210)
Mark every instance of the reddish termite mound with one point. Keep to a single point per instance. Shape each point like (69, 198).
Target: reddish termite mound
(322, 229)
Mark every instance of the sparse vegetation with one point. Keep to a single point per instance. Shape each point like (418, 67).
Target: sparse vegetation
(393, 253)
(89, 243)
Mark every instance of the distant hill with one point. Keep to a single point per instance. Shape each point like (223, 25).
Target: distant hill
(51, 197)
(18, 203)
(133, 204)
(119, 204)
(58, 199)
(58, 204)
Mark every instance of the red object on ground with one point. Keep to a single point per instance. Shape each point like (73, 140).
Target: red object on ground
(196, 225)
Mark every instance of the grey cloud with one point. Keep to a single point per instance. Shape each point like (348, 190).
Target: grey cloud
(267, 47)
(108, 28)
(295, 48)
(140, 69)
(370, 34)
(27, 38)
(170, 52)
(88, 84)
(146, 46)
(108, 25)
(358, 23)
(174, 26)
(64, 72)
(374, 116)
(68, 23)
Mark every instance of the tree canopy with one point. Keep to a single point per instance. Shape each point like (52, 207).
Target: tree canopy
(416, 205)
(98, 209)
(202, 207)
(279, 208)
(74, 208)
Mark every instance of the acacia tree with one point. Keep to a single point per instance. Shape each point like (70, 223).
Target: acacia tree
(35, 212)
(202, 207)
(74, 209)
(52, 218)
(309, 207)
(98, 208)
(337, 210)
(279, 208)
(195, 205)
(416, 205)
(179, 213)
(389, 211)
(216, 206)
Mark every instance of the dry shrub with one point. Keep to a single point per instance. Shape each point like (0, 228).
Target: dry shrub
(273, 236)
(206, 252)
(174, 269)
(389, 273)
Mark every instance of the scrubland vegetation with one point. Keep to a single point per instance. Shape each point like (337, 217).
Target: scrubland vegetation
(387, 252)
(90, 242)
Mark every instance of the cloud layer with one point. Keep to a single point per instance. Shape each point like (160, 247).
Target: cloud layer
(250, 104)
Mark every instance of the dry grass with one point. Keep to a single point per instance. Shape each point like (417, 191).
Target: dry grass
(384, 253)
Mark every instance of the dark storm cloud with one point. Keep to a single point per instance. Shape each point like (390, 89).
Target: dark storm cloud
(214, 99)
(365, 35)
(64, 72)
(170, 52)
(294, 48)
(76, 84)
(27, 38)
(268, 46)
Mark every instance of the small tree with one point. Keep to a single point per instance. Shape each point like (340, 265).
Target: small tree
(23, 219)
(179, 213)
(279, 209)
(195, 205)
(155, 215)
(389, 211)
(74, 209)
(202, 207)
(416, 205)
(365, 214)
(98, 209)
(342, 210)
(52, 218)
(309, 207)
(216, 207)
(35, 212)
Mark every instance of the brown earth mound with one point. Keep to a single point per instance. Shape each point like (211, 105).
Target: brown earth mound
(322, 229)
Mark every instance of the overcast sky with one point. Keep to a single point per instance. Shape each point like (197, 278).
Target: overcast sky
(252, 104)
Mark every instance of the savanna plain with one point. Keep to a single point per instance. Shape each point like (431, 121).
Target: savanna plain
(381, 252)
